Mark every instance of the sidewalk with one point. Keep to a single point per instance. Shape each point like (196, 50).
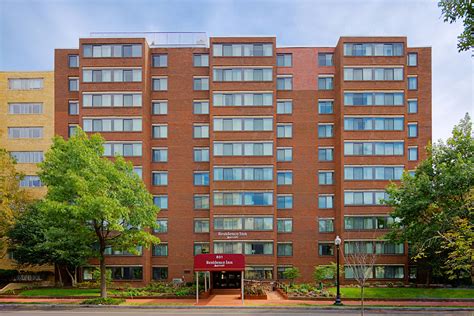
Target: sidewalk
(223, 300)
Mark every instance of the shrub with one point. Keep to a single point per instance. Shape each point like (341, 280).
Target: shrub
(103, 301)
(254, 288)
(96, 277)
(292, 274)
(7, 275)
(389, 284)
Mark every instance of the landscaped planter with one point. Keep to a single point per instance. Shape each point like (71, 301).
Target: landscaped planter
(282, 293)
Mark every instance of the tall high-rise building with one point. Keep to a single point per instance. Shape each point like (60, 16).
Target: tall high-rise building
(252, 148)
(27, 116)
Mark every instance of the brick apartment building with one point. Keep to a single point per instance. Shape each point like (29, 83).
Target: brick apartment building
(252, 148)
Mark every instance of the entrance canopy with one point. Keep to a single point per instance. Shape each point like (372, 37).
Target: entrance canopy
(219, 262)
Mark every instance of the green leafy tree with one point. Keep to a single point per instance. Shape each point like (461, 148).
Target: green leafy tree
(435, 207)
(39, 237)
(13, 199)
(323, 273)
(454, 10)
(292, 274)
(105, 197)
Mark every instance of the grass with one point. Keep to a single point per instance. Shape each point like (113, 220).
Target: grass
(58, 292)
(403, 293)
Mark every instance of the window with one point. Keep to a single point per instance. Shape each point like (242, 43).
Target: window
(373, 49)
(201, 178)
(243, 198)
(285, 83)
(160, 131)
(112, 75)
(72, 130)
(243, 173)
(115, 100)
(412, 106)
(325, 201)
(243, 149)
(284, 154)
(73, 61)
(138, 170)
(27, 156)
(160, 273)
(373, 172)
(242, 74)
(201, 60)
(243, 223)
(160, 178)
(388, 248)
(284, 130)
(243, 124)
(284, 249)
(122, 149)
(284, 106)
(243, 99)
(159, 107)
(25, 108)
(160, 60)
(109, 251)
(284, 177)
(281, 272)
(161, 201)
(367, 74)
(126, 273)
(201, 131)
(325, 107)
(25, 132)
(160, 250)
(284, 225)
(112, 124)
(201, 225)
(325, 83)
(201, 107)
(373, 148)
(412, 59)
(201, 248)
(73, 84)
(367, 222)
(201, 202)
(412, 130)
(359, 246)
(112, 50)
(389, 272)
(326, 225)
(412, 83)
(325, 59)
(349, 272)
(326, 177)
(244, 50)
(325, 154)
(412, 153)
(160, 84)
(258, 273)
(159, 154)
(284, 60)
(373, 98)
(73, 107)
(325, 130)
(365, 197)
(326, 249)
(373, 123)
(201, 83)
(25, 84)
(284, 201)
(201, 154)
(30, 182)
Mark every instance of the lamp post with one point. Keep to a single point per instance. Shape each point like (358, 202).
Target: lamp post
(337, 242)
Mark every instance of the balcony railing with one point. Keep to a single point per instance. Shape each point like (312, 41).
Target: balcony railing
(161, 39)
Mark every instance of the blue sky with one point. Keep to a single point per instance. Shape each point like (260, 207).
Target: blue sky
(30, 30)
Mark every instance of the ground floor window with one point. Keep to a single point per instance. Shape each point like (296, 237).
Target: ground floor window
(259, 273)
(127, 273)
(281, 271)
(377, 272)
(160, 273)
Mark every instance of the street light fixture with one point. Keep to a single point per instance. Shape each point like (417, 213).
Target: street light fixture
(337, 242)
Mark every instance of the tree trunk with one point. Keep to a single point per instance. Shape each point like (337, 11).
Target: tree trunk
(362, 299)
(59, 276)
(73, 281)
(103, 277)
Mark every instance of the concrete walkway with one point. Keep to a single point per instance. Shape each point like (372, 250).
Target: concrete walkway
(273, 299)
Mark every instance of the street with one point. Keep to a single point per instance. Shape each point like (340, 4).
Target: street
(230, 312)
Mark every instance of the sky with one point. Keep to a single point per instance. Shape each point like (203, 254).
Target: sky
(30, 30)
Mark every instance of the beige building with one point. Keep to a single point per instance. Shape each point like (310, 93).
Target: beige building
(26, 128)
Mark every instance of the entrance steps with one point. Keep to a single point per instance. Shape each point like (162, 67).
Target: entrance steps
(225, 291)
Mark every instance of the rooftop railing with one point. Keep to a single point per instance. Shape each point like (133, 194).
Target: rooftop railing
(161, 39)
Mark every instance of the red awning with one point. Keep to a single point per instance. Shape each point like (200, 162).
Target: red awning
(219, 262)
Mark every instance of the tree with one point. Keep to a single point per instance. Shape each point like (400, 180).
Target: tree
(292, 274)
(104, 197)
(326, 272)
(39, 237)
(361, 263)
(435, 207)
(453, 10)
(13, 199)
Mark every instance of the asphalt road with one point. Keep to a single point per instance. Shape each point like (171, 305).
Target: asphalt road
(230, 312)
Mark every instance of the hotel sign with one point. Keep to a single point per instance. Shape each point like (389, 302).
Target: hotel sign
(231, 235)
(219, 262)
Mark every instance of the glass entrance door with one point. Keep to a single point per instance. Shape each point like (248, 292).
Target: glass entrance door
(226, 280)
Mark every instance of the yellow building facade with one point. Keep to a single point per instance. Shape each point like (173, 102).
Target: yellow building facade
(27, 129)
